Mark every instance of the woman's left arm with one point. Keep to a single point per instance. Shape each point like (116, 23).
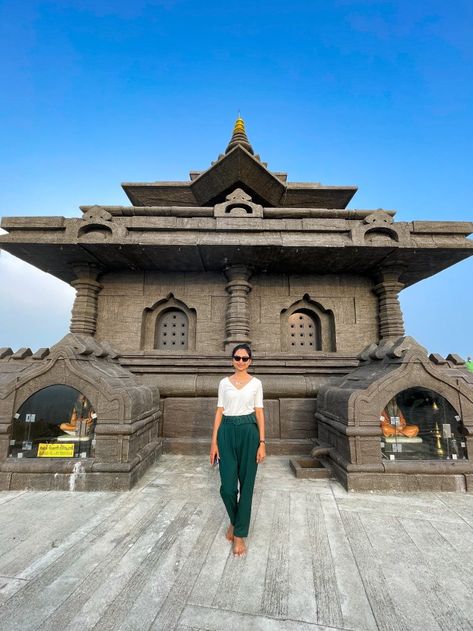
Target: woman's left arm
(261, 453)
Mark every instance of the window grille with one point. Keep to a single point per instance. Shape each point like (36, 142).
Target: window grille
(172, 331)
(304, 332)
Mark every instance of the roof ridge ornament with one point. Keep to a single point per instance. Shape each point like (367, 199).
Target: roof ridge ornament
(238, 194)
(239, 137)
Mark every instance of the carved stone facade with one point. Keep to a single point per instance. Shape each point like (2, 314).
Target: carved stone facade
(235, 254)
(126, 438)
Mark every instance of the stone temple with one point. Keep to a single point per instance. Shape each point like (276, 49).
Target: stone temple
(167, 285)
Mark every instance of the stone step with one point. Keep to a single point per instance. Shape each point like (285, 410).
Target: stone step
(274, 447)
(310, 468)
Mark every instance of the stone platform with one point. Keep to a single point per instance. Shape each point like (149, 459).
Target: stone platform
(156, 557)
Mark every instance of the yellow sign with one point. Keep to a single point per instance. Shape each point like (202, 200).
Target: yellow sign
(56, 450)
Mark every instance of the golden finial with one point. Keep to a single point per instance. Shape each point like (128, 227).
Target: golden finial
(239, 136)
(239, 125)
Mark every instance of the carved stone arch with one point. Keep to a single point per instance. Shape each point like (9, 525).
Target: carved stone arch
(381, 235)
(95, 230)
(368, 403)
(97, 224)
(379, 229)
(323, 326)
(92, 379)
(151, 319)
(238, 204)
(126, 433)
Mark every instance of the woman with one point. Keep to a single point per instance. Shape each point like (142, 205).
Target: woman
(238, 443)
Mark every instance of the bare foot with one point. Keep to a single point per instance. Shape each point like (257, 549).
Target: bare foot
(229, 533)
(239, 547)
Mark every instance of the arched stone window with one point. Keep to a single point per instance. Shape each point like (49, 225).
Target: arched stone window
(172, 331)
(169, 325)
(307, 327)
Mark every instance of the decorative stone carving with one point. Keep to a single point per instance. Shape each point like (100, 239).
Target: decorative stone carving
(324, 338)
(238, 204)
(97, 213)
(391, 323)
(84, 310)
(97, 224)
(151, 317)
(237, 321)
(378, 228)
(378, 218)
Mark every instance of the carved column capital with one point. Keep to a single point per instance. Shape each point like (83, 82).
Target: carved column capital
(237, 272)
(237, 320)
(84, 310)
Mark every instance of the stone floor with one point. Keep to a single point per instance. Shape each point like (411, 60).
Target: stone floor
(157, 558)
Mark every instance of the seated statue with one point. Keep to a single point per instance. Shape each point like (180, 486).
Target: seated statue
(71, 426)
(81, 412)
(402, 429)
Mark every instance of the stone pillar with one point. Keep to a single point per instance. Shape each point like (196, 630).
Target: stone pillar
(391, 323)
(237, 318)
(84, 310)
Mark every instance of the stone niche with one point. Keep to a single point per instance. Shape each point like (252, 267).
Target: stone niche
(104, 441)
(401, 421)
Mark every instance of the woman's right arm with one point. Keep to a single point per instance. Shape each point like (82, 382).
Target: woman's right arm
(213, 445)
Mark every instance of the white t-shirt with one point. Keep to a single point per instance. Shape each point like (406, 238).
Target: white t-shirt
(237, 402)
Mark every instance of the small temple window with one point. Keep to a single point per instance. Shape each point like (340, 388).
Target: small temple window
(419, 424)
(304, 331)
(172, 330)
(55, 422)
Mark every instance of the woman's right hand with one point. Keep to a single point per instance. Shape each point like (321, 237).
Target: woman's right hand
(214, 453)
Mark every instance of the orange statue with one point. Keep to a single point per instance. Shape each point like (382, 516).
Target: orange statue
(71, 427)
(403, 429)
(82, 412)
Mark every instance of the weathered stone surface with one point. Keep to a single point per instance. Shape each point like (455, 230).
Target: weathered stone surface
(298, 418)
(319, 558)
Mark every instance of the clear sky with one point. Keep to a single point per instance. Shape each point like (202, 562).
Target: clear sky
(373, 93)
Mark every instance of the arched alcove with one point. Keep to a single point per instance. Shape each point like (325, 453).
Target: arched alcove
(307, 327)
(169, 325)
(420, 424)
(55, 421)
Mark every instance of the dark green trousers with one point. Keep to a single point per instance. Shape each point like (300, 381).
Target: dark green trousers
(238, 441)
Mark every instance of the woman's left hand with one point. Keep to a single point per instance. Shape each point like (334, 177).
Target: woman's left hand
(261, 453)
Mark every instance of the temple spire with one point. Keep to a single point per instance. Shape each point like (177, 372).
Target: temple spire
(239, 137)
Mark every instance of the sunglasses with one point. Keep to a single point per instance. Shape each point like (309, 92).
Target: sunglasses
(239, 358)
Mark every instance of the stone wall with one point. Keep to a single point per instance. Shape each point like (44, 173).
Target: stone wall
(125, 296)
(350, 298)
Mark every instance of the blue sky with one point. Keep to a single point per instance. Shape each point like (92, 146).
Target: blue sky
(377, 94)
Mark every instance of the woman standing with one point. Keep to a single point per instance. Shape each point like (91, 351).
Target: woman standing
(238, 443)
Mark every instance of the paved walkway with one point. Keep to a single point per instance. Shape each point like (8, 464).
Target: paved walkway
(157, 558)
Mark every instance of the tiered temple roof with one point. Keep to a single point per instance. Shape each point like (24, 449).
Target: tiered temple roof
(238, 211)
